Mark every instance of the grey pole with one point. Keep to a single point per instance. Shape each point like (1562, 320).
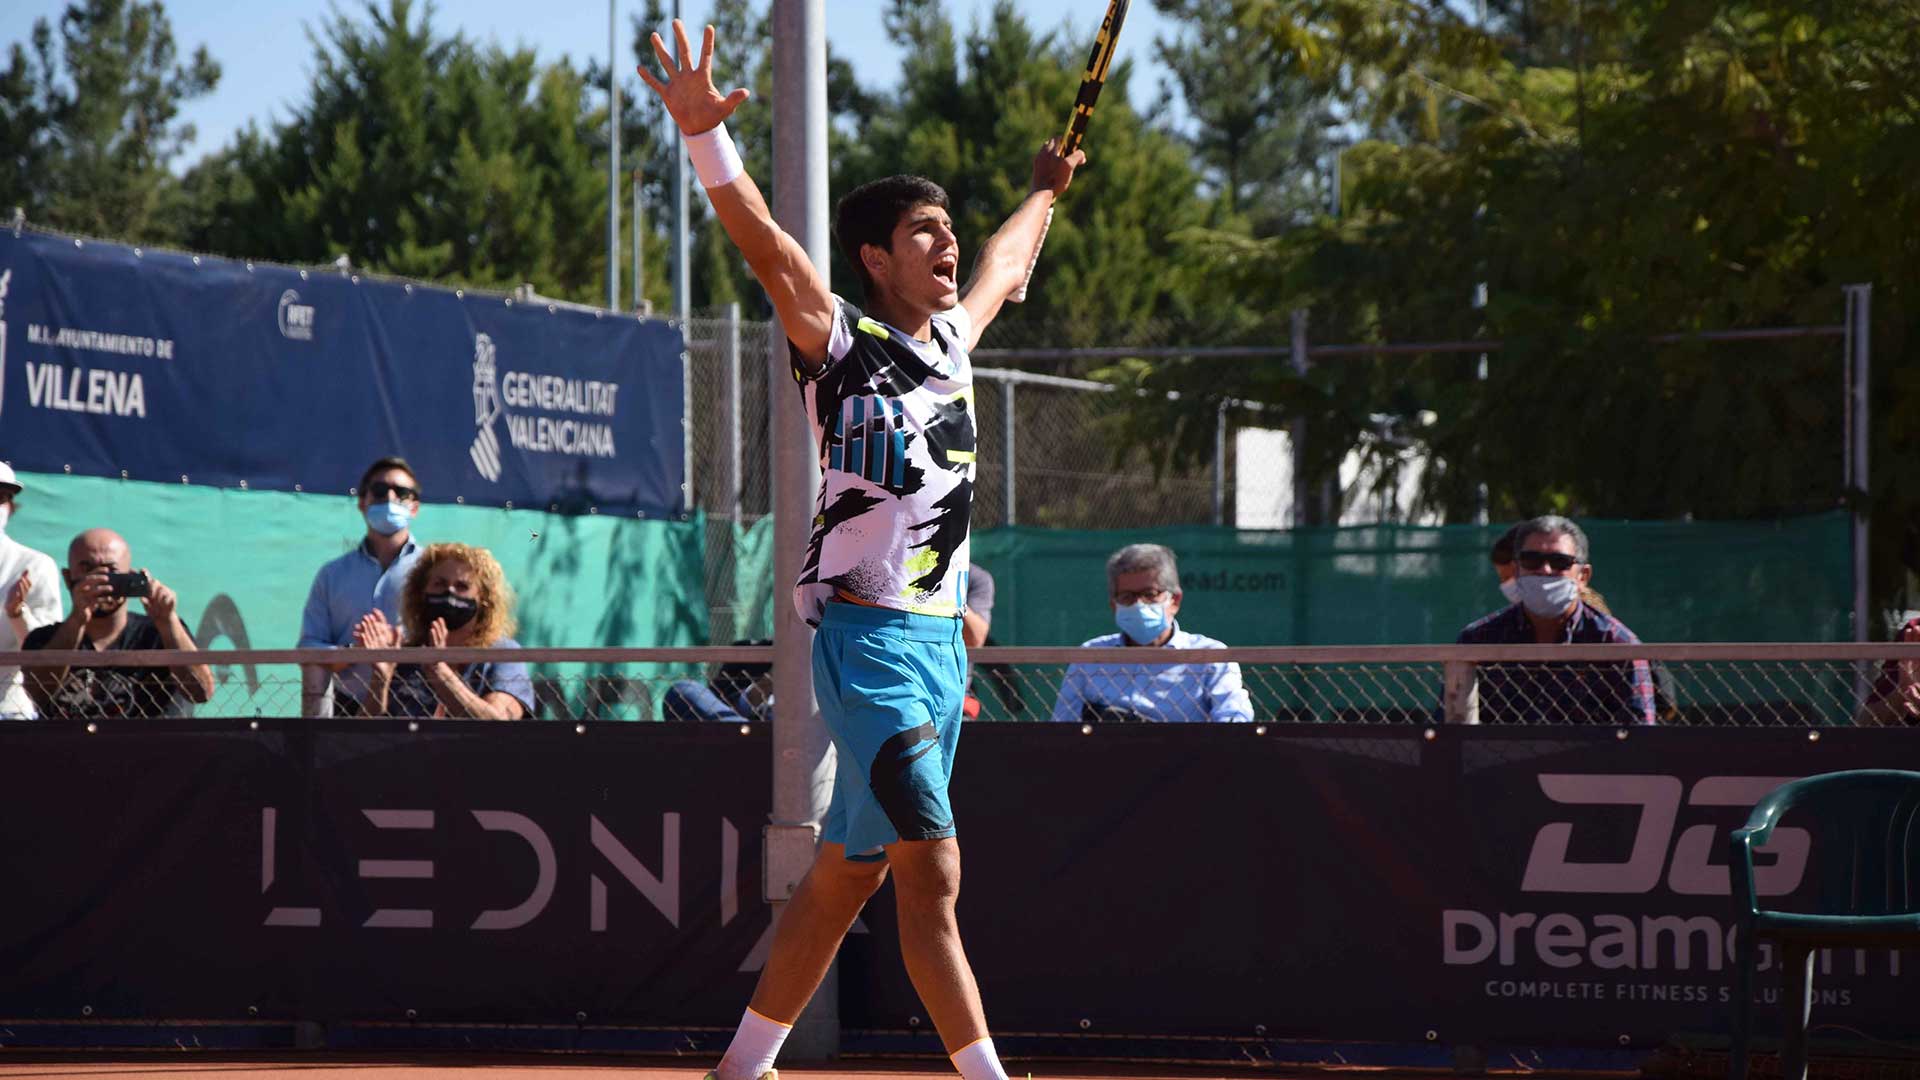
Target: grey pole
(1220, 465)
(730, 341)
(1480, 496)
(639, 226)
(1009, 484)
(1859, 340)
(1303, 513)
(802, 758)
(682, 281)
(613, 155)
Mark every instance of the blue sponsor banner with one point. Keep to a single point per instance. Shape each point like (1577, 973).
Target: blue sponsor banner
(118, 361)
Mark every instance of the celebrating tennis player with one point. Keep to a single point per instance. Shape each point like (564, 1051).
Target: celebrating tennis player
(890, 393)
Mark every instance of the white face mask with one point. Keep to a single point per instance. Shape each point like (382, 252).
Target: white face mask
(1510, 589)
(5, 513)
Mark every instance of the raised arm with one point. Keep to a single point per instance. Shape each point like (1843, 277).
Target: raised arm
(799, 294)
(1001, 267)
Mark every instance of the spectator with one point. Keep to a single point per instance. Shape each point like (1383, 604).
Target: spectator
(1503, 567)
(368, 578)
(976, 622)
(29, 599)
(1143, 588)
(1895, 697)
(455, 597)
(98, 575)
(736, 693)
(1552, 556)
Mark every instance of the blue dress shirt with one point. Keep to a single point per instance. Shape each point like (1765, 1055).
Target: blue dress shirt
(1169, 693)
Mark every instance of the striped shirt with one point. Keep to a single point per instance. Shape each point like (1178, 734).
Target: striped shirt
(1560, 693)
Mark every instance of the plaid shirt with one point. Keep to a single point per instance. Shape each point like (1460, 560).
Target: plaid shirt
(1561, 693)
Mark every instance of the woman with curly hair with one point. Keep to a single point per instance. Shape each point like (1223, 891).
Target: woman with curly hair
(456, 596)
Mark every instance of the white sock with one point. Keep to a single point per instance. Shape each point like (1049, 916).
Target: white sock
(755, 1044)
(977, 1061)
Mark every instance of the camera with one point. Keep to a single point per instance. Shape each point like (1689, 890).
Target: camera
(132, 583)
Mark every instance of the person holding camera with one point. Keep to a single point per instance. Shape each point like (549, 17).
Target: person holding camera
(100, 577)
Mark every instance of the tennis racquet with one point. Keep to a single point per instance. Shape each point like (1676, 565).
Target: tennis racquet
(1091, 84)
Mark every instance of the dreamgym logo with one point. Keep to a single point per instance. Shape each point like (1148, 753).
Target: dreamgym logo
(296, 318)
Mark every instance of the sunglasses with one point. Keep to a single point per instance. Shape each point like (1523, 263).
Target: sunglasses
(1560, 562)
(380, 489)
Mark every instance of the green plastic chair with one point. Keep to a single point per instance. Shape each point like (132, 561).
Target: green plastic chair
(1865, 827)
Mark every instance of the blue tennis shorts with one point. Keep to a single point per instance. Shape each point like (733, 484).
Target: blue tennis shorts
(890, 685)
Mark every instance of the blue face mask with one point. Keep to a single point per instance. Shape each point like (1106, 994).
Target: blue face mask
(1547, 597)
(387, 518)
(1143, 623)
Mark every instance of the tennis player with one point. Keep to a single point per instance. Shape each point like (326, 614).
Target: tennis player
(889, 391)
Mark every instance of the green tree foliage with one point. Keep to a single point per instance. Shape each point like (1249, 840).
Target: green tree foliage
(88, 120)
(971, 115)
(1611, 172)
(422, 154)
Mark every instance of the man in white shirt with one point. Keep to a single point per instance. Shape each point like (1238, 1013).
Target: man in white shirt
(29, 598)
(1143, 588)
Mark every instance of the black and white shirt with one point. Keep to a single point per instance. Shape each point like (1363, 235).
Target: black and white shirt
(893, 417)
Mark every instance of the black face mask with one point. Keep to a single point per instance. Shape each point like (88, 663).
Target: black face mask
(450, 609)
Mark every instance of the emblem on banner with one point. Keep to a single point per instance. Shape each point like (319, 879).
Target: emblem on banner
(296, 318)
(486, 408)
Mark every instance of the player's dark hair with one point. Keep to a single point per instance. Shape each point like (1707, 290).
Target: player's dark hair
(383, 465)
(1502, 552)
(868, 213)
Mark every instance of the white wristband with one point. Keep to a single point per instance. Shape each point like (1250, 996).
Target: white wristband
(714, 157)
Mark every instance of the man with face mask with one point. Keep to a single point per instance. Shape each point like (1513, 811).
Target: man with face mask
(1553, 568)
(1143, 589)
(29, 599)
(369, 578)
(99, 574)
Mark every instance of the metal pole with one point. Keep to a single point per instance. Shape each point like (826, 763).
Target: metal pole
(1220, 465)
(682, 281)
(639, 224)
(1859, 340)
(1303, 512)
(730, 341)
(1009, 484)
(1480, 496)
(613, 155)
(802, 753)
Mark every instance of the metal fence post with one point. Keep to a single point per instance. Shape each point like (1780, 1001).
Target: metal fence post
(640, 223)
(1008, 484)
(613, 155)
(1462, 699)
(730, 343)
(1859, 349)
(1220, 465)
(1303, 512)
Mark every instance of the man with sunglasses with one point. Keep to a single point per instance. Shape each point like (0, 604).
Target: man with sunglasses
(1551, 556)
(368, 578)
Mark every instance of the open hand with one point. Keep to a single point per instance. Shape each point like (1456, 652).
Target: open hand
(688, 92)
(1051, 172)
(16, 604)
(373, 631)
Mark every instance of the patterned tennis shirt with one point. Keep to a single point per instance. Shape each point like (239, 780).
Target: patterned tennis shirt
(893, 417)
(1561, 693)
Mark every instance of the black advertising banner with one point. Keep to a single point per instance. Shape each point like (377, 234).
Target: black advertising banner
(152, 365)
(1562, 888)
(471, 873)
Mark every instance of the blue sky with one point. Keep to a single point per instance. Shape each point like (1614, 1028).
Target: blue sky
(266, 60)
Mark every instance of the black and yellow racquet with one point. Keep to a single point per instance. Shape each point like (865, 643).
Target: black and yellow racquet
(1091, 84)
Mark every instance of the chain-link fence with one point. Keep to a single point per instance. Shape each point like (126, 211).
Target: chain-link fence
(1802, 685)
